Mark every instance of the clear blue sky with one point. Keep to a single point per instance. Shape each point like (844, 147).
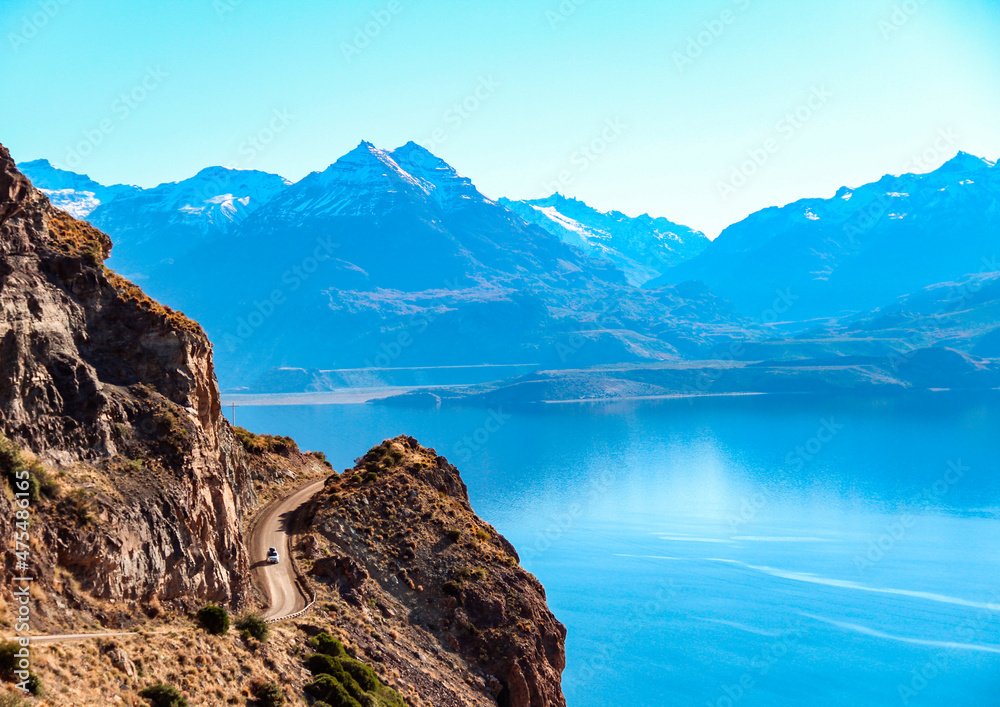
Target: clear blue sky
(670, 123)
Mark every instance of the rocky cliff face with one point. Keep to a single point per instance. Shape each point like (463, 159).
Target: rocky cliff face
(141, 491)
(118, 393)
(422, 587)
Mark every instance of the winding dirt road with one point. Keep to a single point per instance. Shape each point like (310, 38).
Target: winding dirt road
(279, 583)
(272, 528)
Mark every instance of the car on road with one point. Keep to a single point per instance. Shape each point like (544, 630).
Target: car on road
(272, 556)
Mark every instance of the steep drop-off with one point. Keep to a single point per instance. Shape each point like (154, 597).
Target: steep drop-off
(421, 586)
(142, 494)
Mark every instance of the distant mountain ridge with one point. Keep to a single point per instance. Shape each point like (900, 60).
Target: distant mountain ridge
(156, 225)
(76, 194)
(643, 247)
(859, 249)
(392, 258)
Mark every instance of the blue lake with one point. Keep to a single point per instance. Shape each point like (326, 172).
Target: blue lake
(758, 551)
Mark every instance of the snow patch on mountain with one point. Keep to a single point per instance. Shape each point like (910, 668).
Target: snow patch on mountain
(642, 247)
(76, 194)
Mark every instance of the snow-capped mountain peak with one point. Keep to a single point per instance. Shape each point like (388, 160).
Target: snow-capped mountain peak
(964, 163)
(643, 247)
(371, 181)
(76, 194)
(449, 188)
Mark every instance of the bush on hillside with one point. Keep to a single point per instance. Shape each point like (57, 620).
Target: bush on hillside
(214, 619)
(330, 690)
(161, 695)
(327, 644)
(267, 694)
(253, 625)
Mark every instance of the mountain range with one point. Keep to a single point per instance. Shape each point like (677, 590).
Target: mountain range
(391, 259)
(76, 194)
(860, 249)
(643, 247)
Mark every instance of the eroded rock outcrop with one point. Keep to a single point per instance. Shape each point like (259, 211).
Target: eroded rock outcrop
(141, 490)
(393, 545)
(118, 394)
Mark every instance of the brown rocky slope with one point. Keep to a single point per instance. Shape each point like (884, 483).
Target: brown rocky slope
(142, 493)
(118, 393)
(423, 587)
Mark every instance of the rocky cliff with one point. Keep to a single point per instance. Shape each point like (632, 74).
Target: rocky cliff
(419, 585)
(141, 492)
(116, 397)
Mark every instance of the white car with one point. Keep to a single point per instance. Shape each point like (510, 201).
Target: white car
(272, 556)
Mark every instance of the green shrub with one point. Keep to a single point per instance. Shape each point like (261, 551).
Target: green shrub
(160, 695)
(320, 664)
(10, 457)
(8, 658)
(267, 694)
(327, 644)
(214, 619)
(452, 587)
(171, 429)
(476, 575)
(48, 485)
(454, 534)
(260, 444)
(34, 684)
(81, 506)
(253, 625)
(342, 680)
(322, 457)
(371, 477)
(19, 470)
(331, 691)
(362, 674)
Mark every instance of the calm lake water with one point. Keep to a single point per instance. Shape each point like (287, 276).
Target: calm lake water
(757, 551)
